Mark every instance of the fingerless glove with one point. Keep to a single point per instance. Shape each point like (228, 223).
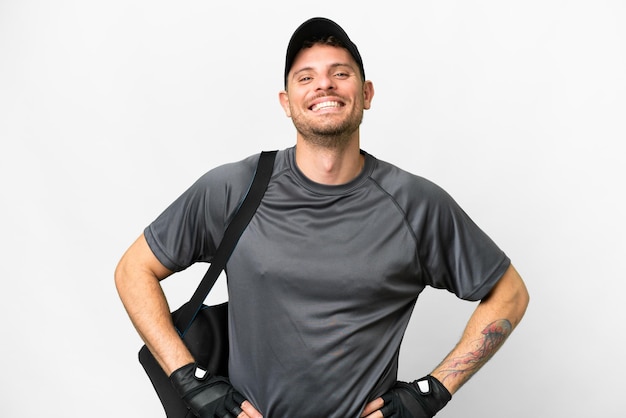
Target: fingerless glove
(207, 396)
(422, 398)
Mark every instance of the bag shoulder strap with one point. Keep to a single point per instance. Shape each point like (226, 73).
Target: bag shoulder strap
(234, 230)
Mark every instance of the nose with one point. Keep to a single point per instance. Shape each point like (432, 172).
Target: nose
(325, 82)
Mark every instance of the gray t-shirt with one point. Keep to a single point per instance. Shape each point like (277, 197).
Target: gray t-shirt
(324, 279)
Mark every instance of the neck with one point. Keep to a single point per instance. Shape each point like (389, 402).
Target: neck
(329, 165)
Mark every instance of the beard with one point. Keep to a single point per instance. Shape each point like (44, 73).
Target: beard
(328, 132)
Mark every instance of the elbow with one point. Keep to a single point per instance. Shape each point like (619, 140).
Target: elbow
(522, 301)
(519, 299)
(119, 276)
(509, 297)
(124, 272)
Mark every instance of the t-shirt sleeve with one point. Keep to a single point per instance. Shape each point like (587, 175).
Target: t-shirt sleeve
(456, 254)
(190, 229)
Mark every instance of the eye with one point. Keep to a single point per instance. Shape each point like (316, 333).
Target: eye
(342, 74)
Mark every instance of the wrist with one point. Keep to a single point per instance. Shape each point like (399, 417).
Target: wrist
(435, 394)
(449, 383)
(176, 362)
(184, 378)
(438, 380)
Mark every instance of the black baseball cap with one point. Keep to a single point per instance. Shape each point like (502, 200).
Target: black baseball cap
(315, 29)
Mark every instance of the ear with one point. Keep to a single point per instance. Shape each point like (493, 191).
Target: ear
(283, 98)
(368, 94)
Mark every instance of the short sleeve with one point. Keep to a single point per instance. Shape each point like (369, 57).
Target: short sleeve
(456, 254)
(190, 229)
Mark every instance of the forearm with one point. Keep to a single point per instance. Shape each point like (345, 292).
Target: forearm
(490, 325)
(474, 349)
(143, 298)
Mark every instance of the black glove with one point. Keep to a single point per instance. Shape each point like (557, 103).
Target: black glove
(422, 398)
(206, 395)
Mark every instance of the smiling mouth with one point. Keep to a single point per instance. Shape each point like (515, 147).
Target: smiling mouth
(325, 105)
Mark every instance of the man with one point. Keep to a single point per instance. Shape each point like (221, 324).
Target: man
(323, 281)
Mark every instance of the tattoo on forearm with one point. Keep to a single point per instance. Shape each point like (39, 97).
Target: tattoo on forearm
(465, 366)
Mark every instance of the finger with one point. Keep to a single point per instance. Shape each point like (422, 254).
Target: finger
(232, 406)
(250, 411)
(375, 414)
(221, 412)
(372, 406)
(388, 411)
(238, 398)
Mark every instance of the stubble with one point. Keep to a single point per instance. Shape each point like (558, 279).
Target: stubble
(328, 131)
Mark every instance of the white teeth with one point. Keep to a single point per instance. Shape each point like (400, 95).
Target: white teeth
(324, 105)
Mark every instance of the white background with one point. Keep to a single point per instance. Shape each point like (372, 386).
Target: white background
(109, 110)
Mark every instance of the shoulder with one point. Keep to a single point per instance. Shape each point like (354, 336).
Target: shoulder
(230, 174)
(219, 191)
(404, 185)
